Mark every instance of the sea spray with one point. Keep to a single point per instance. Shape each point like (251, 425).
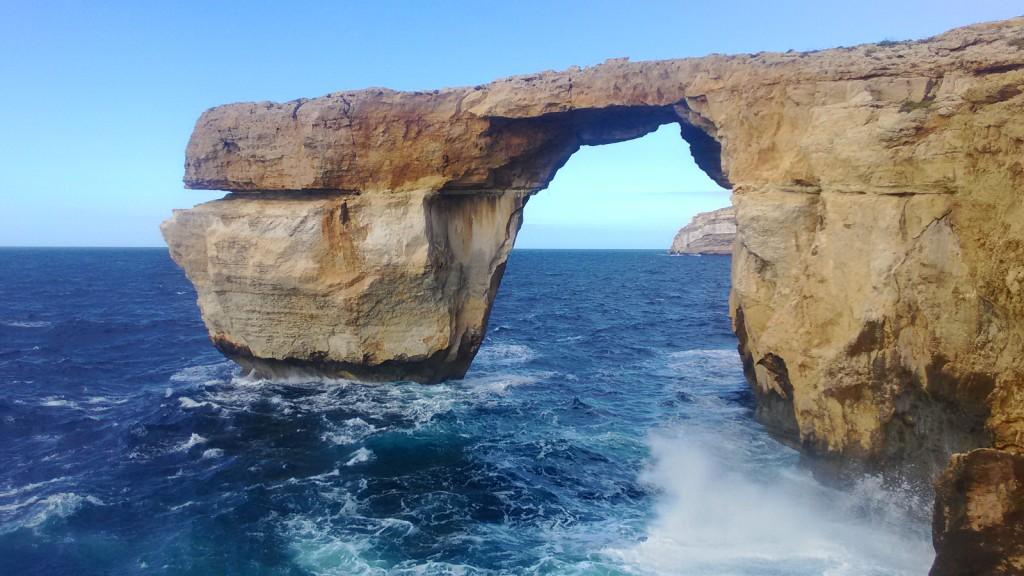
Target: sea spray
(716, 513)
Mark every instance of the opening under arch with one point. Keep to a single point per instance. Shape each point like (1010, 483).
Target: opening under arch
(631, 194)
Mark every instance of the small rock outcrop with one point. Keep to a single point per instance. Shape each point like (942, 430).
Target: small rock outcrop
(707, 233)
(877, 272)
(979, 515)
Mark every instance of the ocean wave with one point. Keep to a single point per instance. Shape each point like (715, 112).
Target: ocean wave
(504, 354)
(187, 403)
(374, 408)
(715, 516)
(193, 441)
(500, 383)
(349, 431)
(360, 456)
(93, 405)
(204, 373)
(707, 363)
(105, 401)
(56, 402)
(14, 491)
(38, 510)
(436, 568)
(26, 323)
(324, 551)
(354, 411)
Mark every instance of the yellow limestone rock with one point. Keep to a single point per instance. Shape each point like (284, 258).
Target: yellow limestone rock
(979, 515)
(365, 286)
(877, 271)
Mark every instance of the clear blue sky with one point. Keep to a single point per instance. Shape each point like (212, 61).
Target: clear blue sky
(98, 100)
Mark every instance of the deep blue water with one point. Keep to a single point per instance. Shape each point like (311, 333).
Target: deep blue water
(605, 428)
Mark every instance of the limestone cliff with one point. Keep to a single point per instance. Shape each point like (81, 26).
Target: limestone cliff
(707, 233)
(877, 271)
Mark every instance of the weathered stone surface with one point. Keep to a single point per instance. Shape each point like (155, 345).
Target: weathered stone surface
(877, 272)
(707, 233)
(979, 515)
(365, 286)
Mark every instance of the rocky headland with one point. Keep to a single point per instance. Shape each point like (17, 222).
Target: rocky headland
(877, 270)
(707, 233)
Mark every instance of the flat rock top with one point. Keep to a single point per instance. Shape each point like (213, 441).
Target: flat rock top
(379, 139)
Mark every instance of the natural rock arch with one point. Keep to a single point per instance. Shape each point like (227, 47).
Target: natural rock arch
(449, 244)
(876, 276)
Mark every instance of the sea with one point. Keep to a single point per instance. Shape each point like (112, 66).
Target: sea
(605, 428)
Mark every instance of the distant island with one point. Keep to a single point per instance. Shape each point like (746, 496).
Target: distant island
(707, 233)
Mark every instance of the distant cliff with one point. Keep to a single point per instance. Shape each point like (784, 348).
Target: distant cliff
(707, 233)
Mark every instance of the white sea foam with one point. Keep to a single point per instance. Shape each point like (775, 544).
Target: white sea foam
(360, 456)
(325, 478)
(349, 431)
(37, 510)
(204, 373)
(55, 402)
(193, 440)
(103, 400)
(321, 552)
(26, 323)
(183, 505)
(499, 384)
(61, 505)
(732, 501)
(212, 453)
(504, 354)
(9, 492)
(402, 404)
(188, 403)
(716, 364)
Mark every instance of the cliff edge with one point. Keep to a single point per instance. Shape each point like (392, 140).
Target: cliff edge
(707, 233)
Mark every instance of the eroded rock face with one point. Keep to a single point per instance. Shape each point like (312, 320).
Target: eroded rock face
(365, 286)
(878, 271)
(979, 515)
(707, 233)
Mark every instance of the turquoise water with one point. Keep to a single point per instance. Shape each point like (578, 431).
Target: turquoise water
(605, 428)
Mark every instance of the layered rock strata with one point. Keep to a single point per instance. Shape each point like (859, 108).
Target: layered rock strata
(366, 286)
(707, 233)
(877, 271)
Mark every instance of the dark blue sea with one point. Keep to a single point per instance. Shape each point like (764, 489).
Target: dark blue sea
(605, 428)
